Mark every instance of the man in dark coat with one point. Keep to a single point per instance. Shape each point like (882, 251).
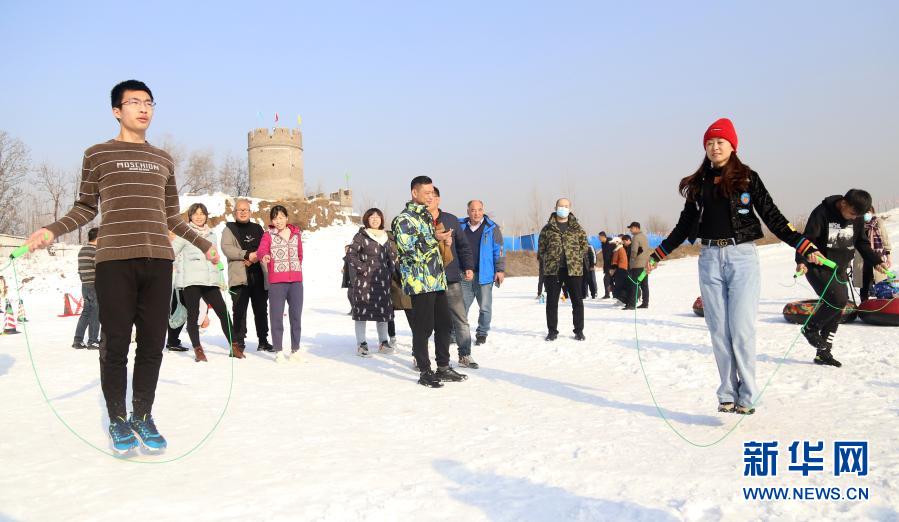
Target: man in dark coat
(837, 229)
(607, 279)
(459, 268)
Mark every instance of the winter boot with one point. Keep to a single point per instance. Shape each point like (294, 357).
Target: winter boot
(726, 407)
(744, 410)
(814, 338)
(448, 374)
(427, 378)
(123, 439)
(237, 351)
(362, 350)
(385, 348)
(552, 336)
(480, 339)
(199, 356)
(824, 358)
(146, 432)
(467, 362)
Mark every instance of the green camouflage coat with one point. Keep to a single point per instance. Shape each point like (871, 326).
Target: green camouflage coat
(552, 241)
(421, 267)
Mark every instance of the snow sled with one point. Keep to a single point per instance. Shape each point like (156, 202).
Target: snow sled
(798, 311)
(697, 307)
(880, 312)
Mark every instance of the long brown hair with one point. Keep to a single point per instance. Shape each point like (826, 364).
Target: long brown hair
(734, 177)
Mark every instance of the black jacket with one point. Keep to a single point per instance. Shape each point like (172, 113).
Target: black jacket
(838, 238)
(744, 221)
(607, 249)
(462, 257)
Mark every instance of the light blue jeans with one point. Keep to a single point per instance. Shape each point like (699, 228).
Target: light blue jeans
(472, 290)
(730, 284)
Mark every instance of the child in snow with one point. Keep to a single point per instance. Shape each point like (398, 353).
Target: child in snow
(837, 228)
(281, 249)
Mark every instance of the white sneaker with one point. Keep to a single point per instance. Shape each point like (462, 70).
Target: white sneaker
(282, 357)
(295, 357)
(393, 342)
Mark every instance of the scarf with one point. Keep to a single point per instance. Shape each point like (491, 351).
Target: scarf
(201, 231)
(377, 235)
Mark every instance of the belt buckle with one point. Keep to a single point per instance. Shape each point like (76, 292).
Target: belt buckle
(721, 243)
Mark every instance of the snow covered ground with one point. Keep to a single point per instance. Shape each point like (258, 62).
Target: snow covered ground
(543, 431)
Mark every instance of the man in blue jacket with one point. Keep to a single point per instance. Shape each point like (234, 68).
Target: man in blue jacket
(486, 241)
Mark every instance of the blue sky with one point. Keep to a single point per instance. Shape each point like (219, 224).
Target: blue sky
(604, 102)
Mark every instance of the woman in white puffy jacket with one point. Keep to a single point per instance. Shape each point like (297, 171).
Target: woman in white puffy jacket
(200, 280)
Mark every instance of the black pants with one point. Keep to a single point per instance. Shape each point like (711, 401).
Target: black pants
(241, 296)
(132, 293)
(391, 325)
(608, 282)
(213, 296)
(827, 318)
(589, 283)
(867, 281)
(175, 333)
(432, 314)
(644, 288)
(553, 288)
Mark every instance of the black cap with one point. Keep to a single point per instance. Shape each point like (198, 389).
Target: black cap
(634, 224)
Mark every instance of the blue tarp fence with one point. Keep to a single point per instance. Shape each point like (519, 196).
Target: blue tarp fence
(528, 242)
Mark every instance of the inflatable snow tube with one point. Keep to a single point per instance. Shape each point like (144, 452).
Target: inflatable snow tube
(798, 311)
(880, 312)
(697, 307)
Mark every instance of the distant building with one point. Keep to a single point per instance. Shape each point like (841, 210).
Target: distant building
(275, 161)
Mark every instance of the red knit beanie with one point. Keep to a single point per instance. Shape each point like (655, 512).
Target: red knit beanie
(722, 128)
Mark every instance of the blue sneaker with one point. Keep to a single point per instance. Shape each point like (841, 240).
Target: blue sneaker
(147, 433)
(123, 439)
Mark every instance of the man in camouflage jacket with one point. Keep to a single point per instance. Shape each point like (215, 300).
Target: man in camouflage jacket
(561, 249)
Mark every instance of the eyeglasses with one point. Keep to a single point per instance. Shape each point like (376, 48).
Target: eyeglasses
(137, 103)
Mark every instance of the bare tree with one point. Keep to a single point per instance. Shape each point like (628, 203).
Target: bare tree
(657, 224)
(15, 162)
(536, 211)
(176, 150)
(200, 175)
(50, 179)
(234, 178)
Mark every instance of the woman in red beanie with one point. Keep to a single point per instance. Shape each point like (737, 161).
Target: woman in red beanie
(723, 197)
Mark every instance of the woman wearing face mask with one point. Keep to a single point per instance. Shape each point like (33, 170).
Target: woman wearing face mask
(199, 280)
(561, 249)
(281, 249)
(879, 241)
(722, 199)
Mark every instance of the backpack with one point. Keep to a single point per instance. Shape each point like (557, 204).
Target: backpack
(179, 316)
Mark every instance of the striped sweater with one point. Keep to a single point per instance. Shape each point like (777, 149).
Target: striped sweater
(86, 265)
(132, 186)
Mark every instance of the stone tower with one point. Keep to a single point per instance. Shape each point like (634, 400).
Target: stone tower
(275, 160)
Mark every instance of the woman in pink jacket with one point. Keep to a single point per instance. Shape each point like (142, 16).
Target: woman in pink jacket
(281, 249)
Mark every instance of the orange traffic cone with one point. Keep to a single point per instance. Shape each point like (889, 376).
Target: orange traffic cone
(71, 306)
(10, 323)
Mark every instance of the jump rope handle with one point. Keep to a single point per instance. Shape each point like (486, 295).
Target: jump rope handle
(221, 264)
(642, 275)
(22, 250)
(827, 262)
